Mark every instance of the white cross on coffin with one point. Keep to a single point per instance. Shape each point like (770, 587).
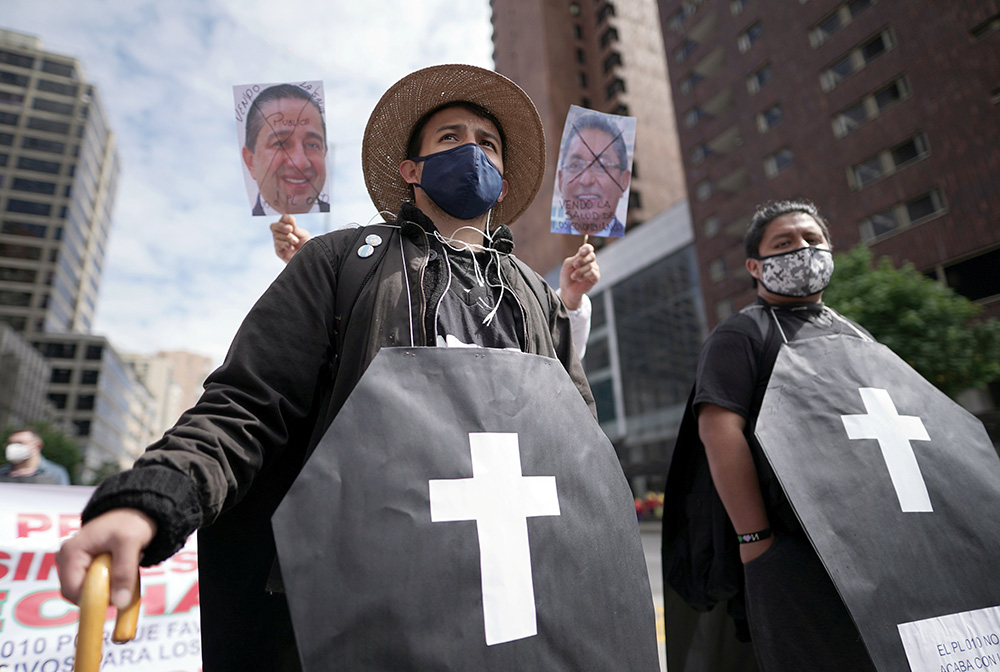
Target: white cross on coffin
(894, 433)
(500, 499)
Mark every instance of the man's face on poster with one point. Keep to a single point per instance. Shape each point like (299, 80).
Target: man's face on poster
(288, 160)
(592, 180)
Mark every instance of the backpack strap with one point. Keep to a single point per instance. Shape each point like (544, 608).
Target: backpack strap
(354, 273)
(537, 285)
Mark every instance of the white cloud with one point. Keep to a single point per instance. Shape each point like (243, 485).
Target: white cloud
(186, 261)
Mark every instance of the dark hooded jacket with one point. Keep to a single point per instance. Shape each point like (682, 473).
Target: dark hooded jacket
(228, 462)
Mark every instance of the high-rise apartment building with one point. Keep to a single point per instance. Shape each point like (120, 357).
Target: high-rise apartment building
(606, 56)
(886, 113)
(58, 174)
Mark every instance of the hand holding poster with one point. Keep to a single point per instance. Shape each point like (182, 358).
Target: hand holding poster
(38, 627)
(594, 174)
(282, 134)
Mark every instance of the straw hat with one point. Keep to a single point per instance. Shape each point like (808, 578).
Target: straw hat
(409, 99)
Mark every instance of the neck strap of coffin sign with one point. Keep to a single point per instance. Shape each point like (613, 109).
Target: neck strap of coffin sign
(892, 482)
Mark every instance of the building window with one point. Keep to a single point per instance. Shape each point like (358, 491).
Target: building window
(58, 400)
(723, 309)
(585, 102)
(40, 145)
(581, 56)
(769, 118)
(16, 299)
(870, 107)
(9, 118)
(682, 52)
(736, 7)
(703, 190)
(856, 60)
(49, 126)
(717, 269)
(29, 207)
(20, 275)
(692, 80)
(621, 109)
(18, 60)
(82, 427)
(975, 278)
(914, 211)
(33, 186)
(65, 109)
(607, 10)
(616, 86)
(57, 88)
(574, 9)
(12, 228)
(6, 139)
(577, 31)
(760, 77)
(8, 98)
(608, 36)
(613, 59)
(711, 225)
(634, 199)
(85, 402)
(840, 17)
(61, 375)
(13, 79)
(94, 352)
(89, 376)
(581, 78)
(699, 153)
(38, 166)
(20, 252)
(778, 162)
(746, 39)
(693, 116)
(57, 68)
(888, 161)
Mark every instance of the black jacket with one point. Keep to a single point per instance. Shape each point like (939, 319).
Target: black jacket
(229, 461)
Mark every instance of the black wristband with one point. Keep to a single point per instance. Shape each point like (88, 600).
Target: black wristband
(754, 536)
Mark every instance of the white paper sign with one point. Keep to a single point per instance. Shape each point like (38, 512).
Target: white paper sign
(953, 643)
(38, 627)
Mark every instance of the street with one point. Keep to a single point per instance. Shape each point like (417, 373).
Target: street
(650, 534)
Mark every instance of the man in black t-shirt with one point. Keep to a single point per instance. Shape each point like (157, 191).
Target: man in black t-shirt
(797, 621)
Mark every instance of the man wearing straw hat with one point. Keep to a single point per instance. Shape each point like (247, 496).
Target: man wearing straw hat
(452, 154)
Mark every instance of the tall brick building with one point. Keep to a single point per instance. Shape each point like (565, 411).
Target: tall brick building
(606, 56)
(884, 112)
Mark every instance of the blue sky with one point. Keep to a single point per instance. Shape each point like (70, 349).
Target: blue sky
(186, 261)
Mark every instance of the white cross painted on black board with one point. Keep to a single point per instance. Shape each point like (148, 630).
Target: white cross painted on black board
(893, 433)
(500, 499)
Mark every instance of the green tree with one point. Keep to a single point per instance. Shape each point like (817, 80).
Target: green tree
(57, 446)
(927, 324)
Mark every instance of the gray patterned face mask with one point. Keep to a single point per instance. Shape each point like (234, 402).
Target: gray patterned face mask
(798, 273)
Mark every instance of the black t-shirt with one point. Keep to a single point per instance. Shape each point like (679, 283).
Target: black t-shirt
(735, 366)
(470, 298)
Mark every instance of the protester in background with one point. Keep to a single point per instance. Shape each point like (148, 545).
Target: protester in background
(26, 464)
(577, 276)
(797, 620)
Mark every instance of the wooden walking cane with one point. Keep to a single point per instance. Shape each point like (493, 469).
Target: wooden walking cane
(94, 603)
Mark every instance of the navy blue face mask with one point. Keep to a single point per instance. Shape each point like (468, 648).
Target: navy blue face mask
(462, 180)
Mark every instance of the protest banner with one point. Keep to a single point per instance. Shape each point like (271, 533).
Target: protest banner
(38, 627)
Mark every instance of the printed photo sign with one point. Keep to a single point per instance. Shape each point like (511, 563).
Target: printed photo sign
(281, 130)
(593, 174)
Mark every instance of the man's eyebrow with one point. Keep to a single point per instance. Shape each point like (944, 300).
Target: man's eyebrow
(462, 126)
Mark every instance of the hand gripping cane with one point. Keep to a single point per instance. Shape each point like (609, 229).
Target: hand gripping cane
(94, 603)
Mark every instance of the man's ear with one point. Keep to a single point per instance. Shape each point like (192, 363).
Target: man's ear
(503, 192)
(248, 159)
(409, 171)
(753, 267)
